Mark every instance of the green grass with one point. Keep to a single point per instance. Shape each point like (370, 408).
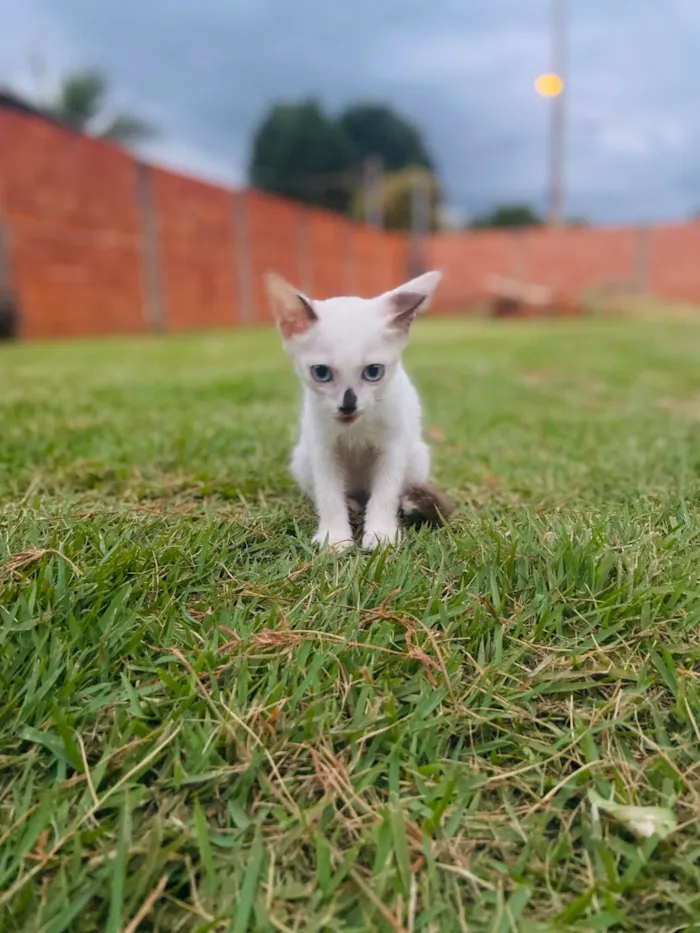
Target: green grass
(205, 725)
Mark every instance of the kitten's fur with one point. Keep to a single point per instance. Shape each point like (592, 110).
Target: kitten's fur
(373, 454)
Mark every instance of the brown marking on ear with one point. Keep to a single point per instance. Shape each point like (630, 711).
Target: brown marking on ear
(297, 320)
(293, 312)
(405, 306)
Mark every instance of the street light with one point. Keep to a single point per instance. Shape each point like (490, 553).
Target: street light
(549, 85)
(553, 85)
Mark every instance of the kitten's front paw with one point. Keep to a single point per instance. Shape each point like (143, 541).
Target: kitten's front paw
(336, 539)
(381, 536)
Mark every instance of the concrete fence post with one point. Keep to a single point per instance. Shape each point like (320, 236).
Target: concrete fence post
(518, 256)
(305, 259)
(244, 261)
(642, 259)
(349, 260)
(421, 222)
(154, 312)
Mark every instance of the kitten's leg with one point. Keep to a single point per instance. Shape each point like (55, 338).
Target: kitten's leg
(301, 469)
(381, 517)
(422, 503)
(418, 464)
(357, 500)
(329, 494)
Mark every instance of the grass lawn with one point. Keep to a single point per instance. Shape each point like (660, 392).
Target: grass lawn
(205, 725)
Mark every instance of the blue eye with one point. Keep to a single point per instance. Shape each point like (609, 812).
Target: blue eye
(373, 372)
(322, 373)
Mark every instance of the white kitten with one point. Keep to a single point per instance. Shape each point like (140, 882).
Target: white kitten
(360, 439)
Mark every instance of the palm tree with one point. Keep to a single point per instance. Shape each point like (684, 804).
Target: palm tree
(80, 103)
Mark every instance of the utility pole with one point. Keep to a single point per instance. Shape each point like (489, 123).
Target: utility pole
(374, 207)
(557, 115)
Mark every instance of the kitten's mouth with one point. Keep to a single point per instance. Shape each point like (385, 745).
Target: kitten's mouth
(348, 419)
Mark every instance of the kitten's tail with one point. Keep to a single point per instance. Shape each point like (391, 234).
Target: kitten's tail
(422, 504)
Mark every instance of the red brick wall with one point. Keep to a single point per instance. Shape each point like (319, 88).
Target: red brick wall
(274, 244)
(674, 262)
(70, 210)
(328, 237)
(467, 260)
(379, 261)
(196, 248)
(83, 261)
(578, 259)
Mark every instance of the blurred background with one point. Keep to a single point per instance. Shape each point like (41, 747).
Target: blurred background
(156, 159)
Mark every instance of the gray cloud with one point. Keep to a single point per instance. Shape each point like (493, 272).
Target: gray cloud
(206, 72)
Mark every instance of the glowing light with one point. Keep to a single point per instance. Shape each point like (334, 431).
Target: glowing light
(549, 85)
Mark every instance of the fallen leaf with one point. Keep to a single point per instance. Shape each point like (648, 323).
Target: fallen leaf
(642, 821)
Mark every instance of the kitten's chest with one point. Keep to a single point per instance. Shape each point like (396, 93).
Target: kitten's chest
(356, 457)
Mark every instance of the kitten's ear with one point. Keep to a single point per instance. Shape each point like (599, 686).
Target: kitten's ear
(293, 311)
(408, 300)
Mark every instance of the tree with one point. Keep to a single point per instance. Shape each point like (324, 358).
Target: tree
(376, 130)
(80, 101)
(509, 215)
(397, 198)
(301, 153)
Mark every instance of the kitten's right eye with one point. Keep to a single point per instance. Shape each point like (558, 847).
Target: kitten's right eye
(322, 373)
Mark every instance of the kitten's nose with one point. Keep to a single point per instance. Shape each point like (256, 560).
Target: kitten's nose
(349, 406)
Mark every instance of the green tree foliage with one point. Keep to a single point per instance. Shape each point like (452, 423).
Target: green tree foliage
(301, 152)
(376, 130)
(80, 102)
(80, 98)
(509, 215)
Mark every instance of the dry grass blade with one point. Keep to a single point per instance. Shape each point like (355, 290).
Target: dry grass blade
(18, 562)
(147, 906)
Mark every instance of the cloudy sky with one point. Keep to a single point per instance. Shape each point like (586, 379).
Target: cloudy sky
(204, 72)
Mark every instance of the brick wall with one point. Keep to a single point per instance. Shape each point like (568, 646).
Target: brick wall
(69, 208)
(674, 262)
(194, 240)
(467, 260)
(98, 244)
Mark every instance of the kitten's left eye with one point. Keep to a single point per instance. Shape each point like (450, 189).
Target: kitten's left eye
(373, 372)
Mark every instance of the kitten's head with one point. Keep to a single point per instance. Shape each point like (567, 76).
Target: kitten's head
(347, 350)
